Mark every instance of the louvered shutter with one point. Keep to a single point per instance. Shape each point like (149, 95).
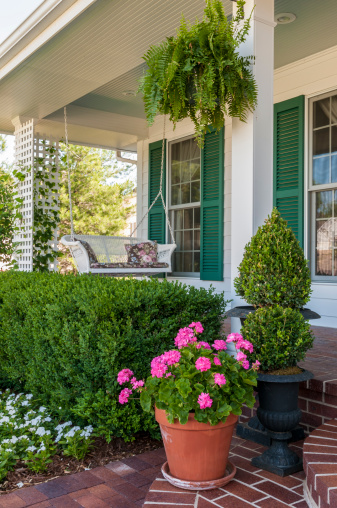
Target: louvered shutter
(156, 221)
(212, 206)
(289, 162)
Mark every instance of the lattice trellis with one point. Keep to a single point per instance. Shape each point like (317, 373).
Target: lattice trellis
(29, 147)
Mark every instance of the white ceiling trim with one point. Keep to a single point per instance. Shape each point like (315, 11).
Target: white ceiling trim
(40, 39)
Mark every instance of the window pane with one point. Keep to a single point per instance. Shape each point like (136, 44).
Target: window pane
(321, 170)
(177, 262)
(195, 191)
(197, 217)
(334, 168)
(196, 262)
(175, 153)
(324, 247)
(333, 139)
(178, 219)
(185, 171)
(321, 112)
(188, 257)
(188, 218)
(176, 195)
(195, 150)
(197, 239)
(176, 172)
(334, 109)
(195, 169)
(185, 150)
(188, 235)
(185, 193)
(335, 262)
(323, 204)
(321, 142)
(178, 236)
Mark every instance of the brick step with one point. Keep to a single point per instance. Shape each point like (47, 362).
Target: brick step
(320, 466)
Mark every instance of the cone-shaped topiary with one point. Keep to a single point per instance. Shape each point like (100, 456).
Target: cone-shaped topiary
(273, 269)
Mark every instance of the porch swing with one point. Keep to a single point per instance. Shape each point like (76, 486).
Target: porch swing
(119, 256)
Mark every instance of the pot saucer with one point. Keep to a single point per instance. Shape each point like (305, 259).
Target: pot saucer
(206, 485)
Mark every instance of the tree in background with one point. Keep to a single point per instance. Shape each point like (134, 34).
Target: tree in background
(99, 202)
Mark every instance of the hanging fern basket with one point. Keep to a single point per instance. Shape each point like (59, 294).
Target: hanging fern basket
(199, 73)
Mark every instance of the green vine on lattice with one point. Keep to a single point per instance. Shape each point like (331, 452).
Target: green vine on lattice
(200, 74)
(46, 208)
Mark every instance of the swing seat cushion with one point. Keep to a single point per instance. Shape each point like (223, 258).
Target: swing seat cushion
(129, 265)
(142, 253)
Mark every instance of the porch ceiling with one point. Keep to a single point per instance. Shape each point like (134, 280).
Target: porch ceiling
(94, 58)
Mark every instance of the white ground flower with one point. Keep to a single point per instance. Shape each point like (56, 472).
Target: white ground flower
(72, 431)
(25, 403)
(29, 396)
(31, 449)
(20, 485)
(42, 409)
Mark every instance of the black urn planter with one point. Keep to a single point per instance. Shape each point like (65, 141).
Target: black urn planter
(279, 414)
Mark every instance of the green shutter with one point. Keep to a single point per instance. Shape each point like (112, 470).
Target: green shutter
(289, 162)
(156, 223)
(212, 206)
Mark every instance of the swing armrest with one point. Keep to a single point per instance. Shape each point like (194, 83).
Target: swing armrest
(165, 252)
(79, 253)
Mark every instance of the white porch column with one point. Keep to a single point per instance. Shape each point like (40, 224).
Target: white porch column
(252, 142)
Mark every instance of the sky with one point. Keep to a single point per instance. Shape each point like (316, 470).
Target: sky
(13, 13)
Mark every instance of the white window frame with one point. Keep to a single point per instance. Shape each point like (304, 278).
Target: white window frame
(312, 189)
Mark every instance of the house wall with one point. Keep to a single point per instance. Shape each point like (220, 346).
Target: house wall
(185, 128)
(310, 77)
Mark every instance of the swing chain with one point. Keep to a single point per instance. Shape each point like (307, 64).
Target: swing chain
(69, 183)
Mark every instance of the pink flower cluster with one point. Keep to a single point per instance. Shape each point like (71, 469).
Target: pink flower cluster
(216, 360)
(203, 364)
(124, 395)
(256, 365)
(202, 344)
(204, 400)
(159, 365)
(219, 345)
(198, 328)
(219, 379)
(241, 344)
(185, 336)
(124, 376)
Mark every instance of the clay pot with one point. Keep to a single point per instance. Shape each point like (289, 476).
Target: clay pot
(196, 451)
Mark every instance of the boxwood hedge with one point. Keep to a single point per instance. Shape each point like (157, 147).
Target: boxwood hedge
(64, 338)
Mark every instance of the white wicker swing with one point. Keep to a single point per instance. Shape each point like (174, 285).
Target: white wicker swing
(106, 255)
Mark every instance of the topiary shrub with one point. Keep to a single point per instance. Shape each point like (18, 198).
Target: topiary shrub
(273, 269)
(280, 336)
(65, 338)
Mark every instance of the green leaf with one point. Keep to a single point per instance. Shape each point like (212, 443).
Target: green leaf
(184, 387)
(145, 401)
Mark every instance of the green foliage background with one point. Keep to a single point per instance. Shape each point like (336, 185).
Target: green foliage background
(65, 338)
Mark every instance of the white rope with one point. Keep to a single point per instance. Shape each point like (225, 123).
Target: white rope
(160, 193)
(69, 183)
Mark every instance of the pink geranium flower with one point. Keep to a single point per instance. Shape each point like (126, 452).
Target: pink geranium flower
(203, 364)
(244, 344)
(202, 344)
(241, 357)
(204, 400)
(124, 395)
(124, 376)
(256, 365)
(185, 336)
(136, 384)
(171, 357)
(216, 360)
(159, 370)
(219, 345)
(198, 328)
(245, 364)
(219, 379)
(234, 337)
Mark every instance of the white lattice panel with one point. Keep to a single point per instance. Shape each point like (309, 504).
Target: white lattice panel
(28, 149)
(24, 158)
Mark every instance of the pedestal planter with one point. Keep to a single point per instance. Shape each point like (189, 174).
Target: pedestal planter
(279, 414)
(253, 430)
(197, 453)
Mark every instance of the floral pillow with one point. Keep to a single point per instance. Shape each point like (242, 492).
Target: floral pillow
(90, 251)
(145, 252)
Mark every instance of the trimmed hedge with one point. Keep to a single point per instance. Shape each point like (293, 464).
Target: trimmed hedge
(64, 338)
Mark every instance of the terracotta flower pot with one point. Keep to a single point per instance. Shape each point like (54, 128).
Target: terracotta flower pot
(196, 452)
